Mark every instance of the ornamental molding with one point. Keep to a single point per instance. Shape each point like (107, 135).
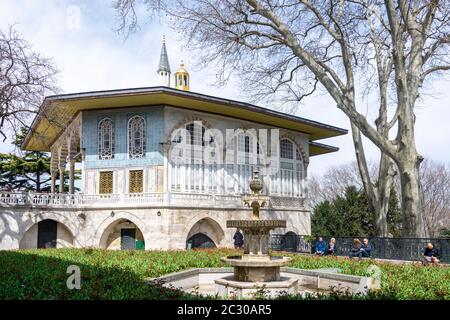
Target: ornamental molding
(187, 120)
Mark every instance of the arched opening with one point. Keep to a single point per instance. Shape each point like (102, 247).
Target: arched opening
(205, 233)
(289, 242)
(47, 234)
(122, 234)
(200, 240)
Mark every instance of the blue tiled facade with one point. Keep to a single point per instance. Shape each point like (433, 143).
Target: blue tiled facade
(154, 135)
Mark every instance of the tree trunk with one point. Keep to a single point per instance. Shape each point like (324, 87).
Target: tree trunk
(378, 195)
(380, 210)
(385, 184)
(412, 204)
(38, 181)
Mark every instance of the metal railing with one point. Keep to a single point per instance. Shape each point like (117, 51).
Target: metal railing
(410, 249)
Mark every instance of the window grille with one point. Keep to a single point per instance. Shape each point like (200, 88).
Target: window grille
(196, 133)
(136, 179)
(136, 137)
(106, 182)
(288, 181)
(106, 139)
(286, 149)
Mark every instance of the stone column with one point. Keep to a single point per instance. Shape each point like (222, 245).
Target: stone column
(53, 185)
(166, 174)
(61, 179)
(71, 176)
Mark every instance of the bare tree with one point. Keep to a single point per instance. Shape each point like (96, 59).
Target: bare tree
(335, 180)
(25, 78)
(435, 177)
(283, 50)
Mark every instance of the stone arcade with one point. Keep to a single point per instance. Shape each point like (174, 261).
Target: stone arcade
(162, 168)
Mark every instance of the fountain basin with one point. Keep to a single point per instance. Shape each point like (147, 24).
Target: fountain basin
(256, 224)
(204, 281)
(256, 268)
(229, 287)
(256, 234)
(249, 260)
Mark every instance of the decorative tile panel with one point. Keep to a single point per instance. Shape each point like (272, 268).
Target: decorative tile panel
(154, 136)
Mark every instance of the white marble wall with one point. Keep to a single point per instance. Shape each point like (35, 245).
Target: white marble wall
(169, 230)
(30, 238)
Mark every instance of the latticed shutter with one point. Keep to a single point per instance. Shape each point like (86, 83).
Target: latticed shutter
(106, 182)
(136, 181)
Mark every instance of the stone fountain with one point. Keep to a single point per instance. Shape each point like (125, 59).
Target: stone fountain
(256, 269)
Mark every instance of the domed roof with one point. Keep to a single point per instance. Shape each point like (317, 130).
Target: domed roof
(182, 69)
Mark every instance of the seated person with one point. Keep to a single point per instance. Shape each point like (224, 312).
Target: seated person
(332, 247)
(356, 250)
(431, 254)
(320, 247)
(366, 248)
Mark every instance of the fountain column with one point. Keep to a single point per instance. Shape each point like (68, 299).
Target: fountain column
(256, 267)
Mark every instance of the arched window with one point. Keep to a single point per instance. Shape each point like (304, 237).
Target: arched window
(241, 158)
(106, 139)
(136, 137)
(289, 179)
(193, 160)
(196, 134)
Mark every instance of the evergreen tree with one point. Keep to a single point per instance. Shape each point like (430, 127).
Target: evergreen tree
(28, 170)
(352, 215)
(394, 215)
(445, 233)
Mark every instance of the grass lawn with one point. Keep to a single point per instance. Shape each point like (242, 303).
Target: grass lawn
(41, 274)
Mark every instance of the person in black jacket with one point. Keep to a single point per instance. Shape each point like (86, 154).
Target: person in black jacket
(356, 250)
(366, 248)
(238, 239)
(431, 254)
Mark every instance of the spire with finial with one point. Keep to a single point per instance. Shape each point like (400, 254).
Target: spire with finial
(164, 67)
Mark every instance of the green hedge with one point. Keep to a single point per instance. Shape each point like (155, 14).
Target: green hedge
(41, 274)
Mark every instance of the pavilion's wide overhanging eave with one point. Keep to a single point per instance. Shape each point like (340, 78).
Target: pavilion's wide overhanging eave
(316, 148)
(58, 111)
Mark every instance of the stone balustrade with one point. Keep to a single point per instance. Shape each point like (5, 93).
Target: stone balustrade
(34, 199)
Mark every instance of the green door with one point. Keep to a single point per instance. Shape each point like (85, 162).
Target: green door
(140, 245)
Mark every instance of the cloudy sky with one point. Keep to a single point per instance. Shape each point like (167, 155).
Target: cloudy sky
(80, 37)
